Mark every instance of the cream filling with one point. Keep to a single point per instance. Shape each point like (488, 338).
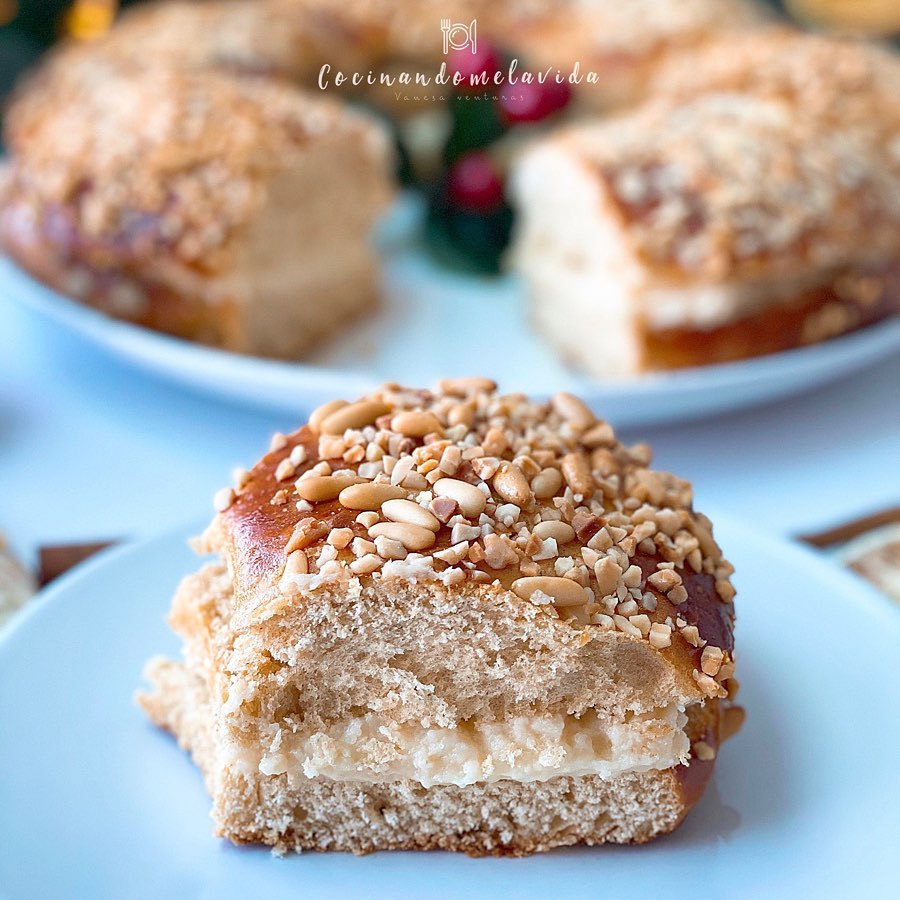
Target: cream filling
(524, 748)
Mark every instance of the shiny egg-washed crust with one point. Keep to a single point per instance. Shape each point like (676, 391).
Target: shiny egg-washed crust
(131, 164)
(780, 159)
(647, 564)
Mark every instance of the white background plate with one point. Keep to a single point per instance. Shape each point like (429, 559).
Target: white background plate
(95, 802)
(434, 324)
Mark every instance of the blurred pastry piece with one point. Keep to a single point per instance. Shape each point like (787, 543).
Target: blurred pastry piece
(16, 584)
(756, 211)
(624, 41)
(227, 209)
(877, 18)
(288, 38)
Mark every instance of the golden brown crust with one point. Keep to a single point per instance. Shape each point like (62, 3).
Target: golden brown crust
(846, 303)
(56, 253)
(629, 554)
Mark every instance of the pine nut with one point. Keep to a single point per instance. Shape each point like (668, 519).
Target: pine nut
(564, 591)
(324, 487)
(223, 498)
(367, 564)
(306, 531)
(356, 415)
(285, 469)
(463, 387)
(547, 483)
(411, 513)
(413, 537)
(323, 412)
(573, 410)
(297, 564)
(625, 626)
(471, 501)
(577, 472)
(461, 414)
(559, 531)
(528, 466)
(600, 435)
(511, 485)
(416, 424)
(369, 496)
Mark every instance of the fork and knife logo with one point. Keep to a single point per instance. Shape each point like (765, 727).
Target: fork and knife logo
(458, 35)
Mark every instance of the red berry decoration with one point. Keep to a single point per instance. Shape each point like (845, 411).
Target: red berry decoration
(486, 60)
(474, 184)
(534, 101)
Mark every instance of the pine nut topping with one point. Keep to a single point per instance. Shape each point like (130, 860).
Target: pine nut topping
(559, 531)
(573, 410)
(471, 501)
(563, 591)
(297, 563)
(323, 412)
(547, 483)
(354, 415)
(470, 486)
(416, 424)
(413, 537)
(324, 487)
(307, 531)
(577, 472)
(411, 513)
(510, 484)
(223, 498)
(286, 469)
(369, 496)
(367, 564)
(463, 387)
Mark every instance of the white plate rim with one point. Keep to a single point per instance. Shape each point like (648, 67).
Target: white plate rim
(855, 593)
(297, 386)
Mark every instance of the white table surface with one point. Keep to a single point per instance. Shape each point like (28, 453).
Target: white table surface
(91, 449)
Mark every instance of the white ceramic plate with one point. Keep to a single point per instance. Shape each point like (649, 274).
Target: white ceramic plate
(95, 802)
(436, 323)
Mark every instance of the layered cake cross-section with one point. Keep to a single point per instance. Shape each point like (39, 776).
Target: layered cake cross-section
(452, 619)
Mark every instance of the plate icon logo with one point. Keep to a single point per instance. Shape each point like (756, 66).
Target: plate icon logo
(458, 36)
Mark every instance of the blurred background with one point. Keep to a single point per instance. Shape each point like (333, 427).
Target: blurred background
(29, 27)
